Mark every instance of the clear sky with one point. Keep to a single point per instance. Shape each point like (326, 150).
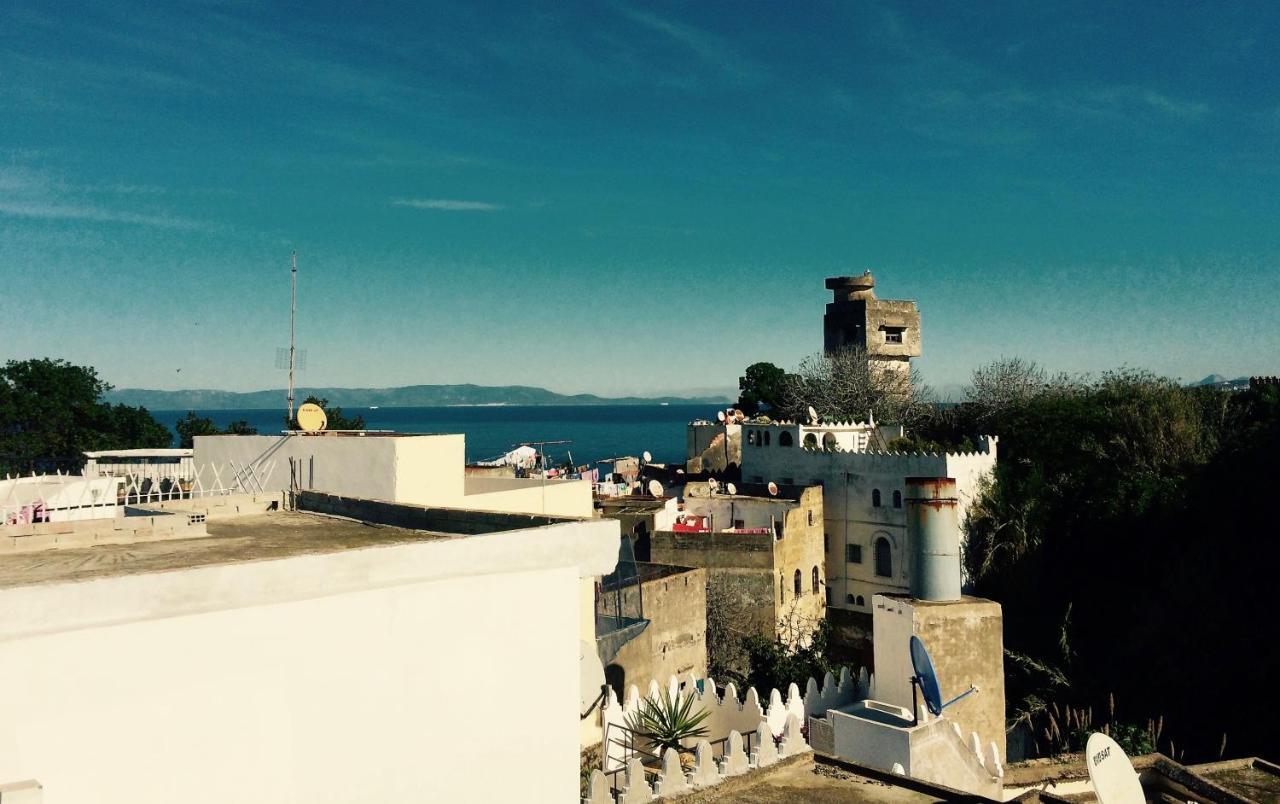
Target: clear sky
(626, 197)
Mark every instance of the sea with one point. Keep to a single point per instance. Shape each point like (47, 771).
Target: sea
(594, 432)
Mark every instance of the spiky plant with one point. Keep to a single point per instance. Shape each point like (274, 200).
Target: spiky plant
(668, 720)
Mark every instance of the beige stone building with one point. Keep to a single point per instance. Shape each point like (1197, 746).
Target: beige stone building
(673, 601)
(888, 329)
(763, 552)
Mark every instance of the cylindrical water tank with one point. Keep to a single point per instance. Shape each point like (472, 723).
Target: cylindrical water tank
(933, 529)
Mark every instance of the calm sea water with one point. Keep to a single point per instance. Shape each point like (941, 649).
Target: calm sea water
(596, 431)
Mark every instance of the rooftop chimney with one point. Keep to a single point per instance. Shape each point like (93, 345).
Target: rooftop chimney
(933, 528)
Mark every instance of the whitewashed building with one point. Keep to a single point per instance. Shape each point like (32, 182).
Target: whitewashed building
(863, 511)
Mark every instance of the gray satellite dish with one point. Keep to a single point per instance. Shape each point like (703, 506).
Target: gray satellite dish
(1114, 779)
(647, 456)
(926, 678)
(655, 488)
(813, 415)
(732, 489)
(773, 489)
(720, 417)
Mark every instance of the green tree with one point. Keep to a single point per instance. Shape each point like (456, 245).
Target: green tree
(52, 411)
(192, 425)
(762, 388)
(336, 421)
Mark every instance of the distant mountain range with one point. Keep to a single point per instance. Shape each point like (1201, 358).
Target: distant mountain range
(409, 396)
(1219, 381)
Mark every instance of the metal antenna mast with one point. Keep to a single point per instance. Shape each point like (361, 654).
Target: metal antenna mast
(293, 315)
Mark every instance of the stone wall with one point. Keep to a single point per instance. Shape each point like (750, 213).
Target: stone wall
(675, 641)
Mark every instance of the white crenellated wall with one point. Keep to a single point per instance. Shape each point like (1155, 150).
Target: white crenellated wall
(849, 480)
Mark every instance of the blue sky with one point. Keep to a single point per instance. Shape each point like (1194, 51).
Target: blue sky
(626, 197)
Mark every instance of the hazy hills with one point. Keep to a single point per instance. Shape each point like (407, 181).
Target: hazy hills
(402, 397)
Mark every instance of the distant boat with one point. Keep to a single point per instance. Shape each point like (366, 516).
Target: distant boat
(373, 407)
(664, 404)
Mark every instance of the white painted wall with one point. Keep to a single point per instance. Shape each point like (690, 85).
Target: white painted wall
(382, 674)
(849, 480)
(553, 497)
(422, 470)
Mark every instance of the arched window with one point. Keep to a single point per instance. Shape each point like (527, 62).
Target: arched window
(784, 439)
(751, 437)
(897, 499)
(782, 589)
(810, 441)
(815, 580)
(766, 438)
(799, 584)
(884, 558)
(860, 601)
(829, 441)
(875, 497)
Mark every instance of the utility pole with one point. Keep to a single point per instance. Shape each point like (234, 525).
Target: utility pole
(293, 315)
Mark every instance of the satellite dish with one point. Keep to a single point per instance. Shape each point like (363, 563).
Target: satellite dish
(311, 418)
(813, 415)
(655, 488)
(732, 489)
(591, 675)
(926, 678)
(647, 456)
(1114, 779)
(679, 471)
(720, 417)
(713, 485)
(773, 489)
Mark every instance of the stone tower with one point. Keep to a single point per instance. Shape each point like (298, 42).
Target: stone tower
(888, 329)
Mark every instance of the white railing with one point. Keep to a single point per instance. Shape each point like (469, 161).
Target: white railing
(61, 498)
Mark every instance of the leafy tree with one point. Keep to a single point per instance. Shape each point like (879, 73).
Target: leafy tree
(52, 411)
(1123, 530)
(775, 664)
(847, 385)
(334, 416)
(192, 425)
(762, 387)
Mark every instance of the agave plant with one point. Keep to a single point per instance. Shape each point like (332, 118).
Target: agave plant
(668, 720)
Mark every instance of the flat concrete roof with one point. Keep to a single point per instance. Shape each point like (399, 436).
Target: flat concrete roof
(258, 537)
(802, 779)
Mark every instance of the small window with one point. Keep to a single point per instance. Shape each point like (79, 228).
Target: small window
(884, 558)
(826, 542)
(766, 438)
(828, 595)
(829, 442)
(810, 441)
(861, 602)
(875, 498)
(853, 553)
(799, 584)
(850, 599)
(897, 499)
(739, 524)
(782, 589)
(751, 437)
(784, 439)
(893, 334)
(815, 580)
(811, 517)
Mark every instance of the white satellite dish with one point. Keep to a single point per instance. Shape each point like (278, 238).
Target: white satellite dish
(590, 676)
(679, 471)
(773, 489)
(732, 489)
(720, 417)
(713, 485)
(655, 488)
(1114, 779)
(813, 415)
(648, 457)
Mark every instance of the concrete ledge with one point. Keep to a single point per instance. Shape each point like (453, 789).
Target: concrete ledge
(464, 522)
